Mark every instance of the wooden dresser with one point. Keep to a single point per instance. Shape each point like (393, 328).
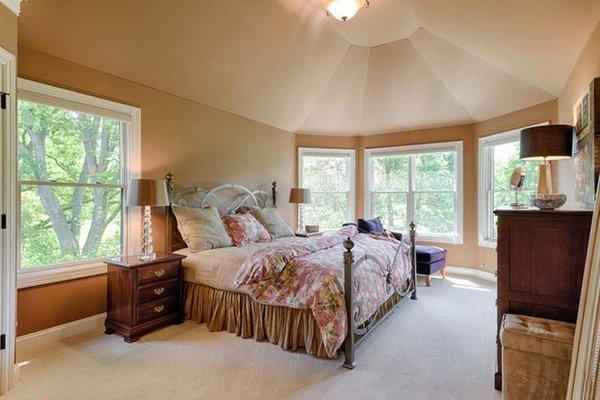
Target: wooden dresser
(541, 258)
(143, 295)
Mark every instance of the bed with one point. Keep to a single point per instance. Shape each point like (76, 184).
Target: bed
(322, 295)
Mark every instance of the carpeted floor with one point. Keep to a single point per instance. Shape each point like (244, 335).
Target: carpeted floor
(439, 347)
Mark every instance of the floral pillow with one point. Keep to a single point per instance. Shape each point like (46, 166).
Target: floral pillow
(243, 228)
(271, 220)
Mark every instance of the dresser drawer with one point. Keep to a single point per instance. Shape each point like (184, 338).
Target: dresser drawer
(160, 271)
(150, 311)
(159, 290)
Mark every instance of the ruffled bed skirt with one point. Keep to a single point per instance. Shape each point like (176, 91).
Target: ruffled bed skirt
(238, 313)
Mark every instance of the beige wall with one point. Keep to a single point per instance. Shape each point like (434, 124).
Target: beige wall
(586, 69)
(469, 253)
(198, 144)
(8, 29)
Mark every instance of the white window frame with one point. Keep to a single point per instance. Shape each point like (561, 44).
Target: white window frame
(131, 161)
(485, 167)
(457, 147)
(326, 152)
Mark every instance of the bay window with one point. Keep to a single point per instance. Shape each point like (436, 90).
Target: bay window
(329, 174)
(420, 183)
(498, 158)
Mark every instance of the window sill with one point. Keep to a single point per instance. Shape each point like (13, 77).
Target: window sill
(32, 278)
(488, 243)
(439, 239)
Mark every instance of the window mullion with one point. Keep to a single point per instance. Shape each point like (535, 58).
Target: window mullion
(410, 201)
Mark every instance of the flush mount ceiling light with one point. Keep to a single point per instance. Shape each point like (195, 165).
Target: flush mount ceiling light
(344, 10)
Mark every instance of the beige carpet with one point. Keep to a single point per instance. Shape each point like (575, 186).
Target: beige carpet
(439, 347)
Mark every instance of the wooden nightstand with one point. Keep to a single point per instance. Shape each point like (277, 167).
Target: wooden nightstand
(143, 295)
(309, 235)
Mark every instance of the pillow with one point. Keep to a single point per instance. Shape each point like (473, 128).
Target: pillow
(270, 219)
(244, 228)
(201, 228)
(370, 225)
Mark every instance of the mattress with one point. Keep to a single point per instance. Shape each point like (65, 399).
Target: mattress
(218, 268)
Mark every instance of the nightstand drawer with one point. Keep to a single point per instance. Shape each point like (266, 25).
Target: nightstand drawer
(157, 309)
(158, 271)
(156, 291)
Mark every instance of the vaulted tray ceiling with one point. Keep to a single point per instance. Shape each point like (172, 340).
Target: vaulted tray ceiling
(398, 65)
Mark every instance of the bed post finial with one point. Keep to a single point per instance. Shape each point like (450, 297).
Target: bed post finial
(349, 361)
(274, 193)
(413, 258)
(169, 179)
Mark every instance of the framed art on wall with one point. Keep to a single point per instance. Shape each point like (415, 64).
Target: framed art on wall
(586, 149)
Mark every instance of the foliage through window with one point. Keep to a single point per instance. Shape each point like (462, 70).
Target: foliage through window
(498, 159)
(329, 174)
(420, 184)
(70, 184)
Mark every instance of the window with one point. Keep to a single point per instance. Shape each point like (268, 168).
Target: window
(74, 156)
(329, 174)
(498, 157)
(417, 183)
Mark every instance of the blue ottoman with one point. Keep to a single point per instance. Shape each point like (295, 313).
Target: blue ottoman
(431, 260)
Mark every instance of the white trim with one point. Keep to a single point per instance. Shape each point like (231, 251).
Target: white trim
(323, 152)
(131, 162)
(8, 247)
(34, 343)
(487, 276)
(455, 146)
(36, 277)
(13, 5)
(484, 175)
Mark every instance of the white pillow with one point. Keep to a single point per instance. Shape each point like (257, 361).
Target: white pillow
(201, 228)
(270, 219)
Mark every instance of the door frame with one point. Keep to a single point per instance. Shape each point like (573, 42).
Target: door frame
(8, 242)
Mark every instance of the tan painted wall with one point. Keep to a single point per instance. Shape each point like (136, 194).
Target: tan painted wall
(198, 144)
(8, 29)
(469, 254)
(586, 69)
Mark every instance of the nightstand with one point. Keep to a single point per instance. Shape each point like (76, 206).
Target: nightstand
(309, 235)
(143, 295)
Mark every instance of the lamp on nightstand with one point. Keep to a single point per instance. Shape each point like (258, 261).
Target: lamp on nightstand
(300, 196)
(147, 193)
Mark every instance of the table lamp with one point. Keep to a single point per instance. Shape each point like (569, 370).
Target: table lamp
(300, 196)
(147, 193)
(547, 143)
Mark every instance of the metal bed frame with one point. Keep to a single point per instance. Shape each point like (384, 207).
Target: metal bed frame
(357, 331)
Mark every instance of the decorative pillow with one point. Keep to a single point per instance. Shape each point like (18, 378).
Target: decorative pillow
(373, 225)
(244, 228)
(201, 228)
(270, 219)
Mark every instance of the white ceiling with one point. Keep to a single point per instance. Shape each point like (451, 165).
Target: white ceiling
(398, 65)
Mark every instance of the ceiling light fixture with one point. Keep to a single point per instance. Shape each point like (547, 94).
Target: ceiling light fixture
(343, 10)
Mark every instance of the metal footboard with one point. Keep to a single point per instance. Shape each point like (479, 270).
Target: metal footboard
(356, 332)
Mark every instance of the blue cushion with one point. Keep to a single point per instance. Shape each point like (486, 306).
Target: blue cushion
(429, 254)
(430, 268)
(370, 225)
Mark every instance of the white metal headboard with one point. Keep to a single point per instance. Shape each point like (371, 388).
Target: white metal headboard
(227, 198)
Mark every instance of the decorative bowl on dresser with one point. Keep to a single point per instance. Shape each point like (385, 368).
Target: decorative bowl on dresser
(541, 259)
(143, 295)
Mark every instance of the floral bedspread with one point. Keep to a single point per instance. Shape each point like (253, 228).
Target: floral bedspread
(309, 274)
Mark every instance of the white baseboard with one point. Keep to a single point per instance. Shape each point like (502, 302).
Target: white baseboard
(33, 343)
(472, 272)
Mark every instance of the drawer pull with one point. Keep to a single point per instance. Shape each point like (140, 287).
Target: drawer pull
(159, 309)
(158, 291)
(159, 272)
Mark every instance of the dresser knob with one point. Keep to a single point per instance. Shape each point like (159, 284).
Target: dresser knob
(159, 291)
(159, 272)
(159, 309)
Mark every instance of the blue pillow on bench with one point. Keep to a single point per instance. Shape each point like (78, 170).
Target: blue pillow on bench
(373, 225)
